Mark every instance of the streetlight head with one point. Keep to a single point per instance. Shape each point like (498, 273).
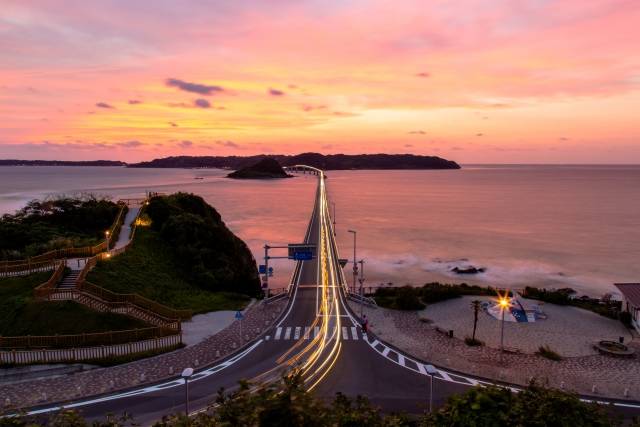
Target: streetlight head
(187, 372)
(504, 302)
(106, 233)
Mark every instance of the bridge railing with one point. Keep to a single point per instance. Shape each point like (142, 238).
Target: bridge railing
(43, 290)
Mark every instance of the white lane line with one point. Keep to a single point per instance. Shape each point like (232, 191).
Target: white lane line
(345, 333)
(267, 337)
(374, 344)
(400, 359)
(354, 332)
(296, 334)
(386, 351)
(446, 376)
(306, 332)
(287, 333)
(421, 368)
(278, 333)
(316, 331)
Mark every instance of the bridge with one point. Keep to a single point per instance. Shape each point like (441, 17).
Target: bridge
(319, 334)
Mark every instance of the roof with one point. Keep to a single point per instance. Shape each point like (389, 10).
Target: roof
(631, 292)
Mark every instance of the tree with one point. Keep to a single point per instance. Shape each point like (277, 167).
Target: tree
(475, 304)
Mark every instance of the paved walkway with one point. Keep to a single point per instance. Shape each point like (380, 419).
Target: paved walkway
(125, 230)
(612, 377)
(104, 380)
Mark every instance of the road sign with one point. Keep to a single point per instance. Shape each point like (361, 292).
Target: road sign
(262, 269)
(239, 315)
(301, 247)
(302, 256)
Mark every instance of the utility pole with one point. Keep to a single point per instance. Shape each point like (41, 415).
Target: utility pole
(361, 280)
(355, 263)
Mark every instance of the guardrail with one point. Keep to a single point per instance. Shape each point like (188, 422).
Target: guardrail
(100, 352)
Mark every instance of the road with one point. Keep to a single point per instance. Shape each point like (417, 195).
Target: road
(319, 334)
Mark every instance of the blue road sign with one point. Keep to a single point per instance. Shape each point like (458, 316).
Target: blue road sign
(262, 269)
(239, 315)
(302, 255)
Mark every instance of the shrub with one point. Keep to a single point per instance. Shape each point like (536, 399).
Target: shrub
(546, 352)
(473, 342)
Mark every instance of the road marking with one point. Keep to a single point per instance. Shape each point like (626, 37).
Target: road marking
(386, 351)
(267, 337)
(278, 332)
(296, 334)
(345, 333)
(287, 333)
(400, 359)
(421, 369)
(306, 332)
(316, 331)
(354, 332)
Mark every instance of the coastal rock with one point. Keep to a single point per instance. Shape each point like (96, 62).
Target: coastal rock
(468, 270)
(266, 168)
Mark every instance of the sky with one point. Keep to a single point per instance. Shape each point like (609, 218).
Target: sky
(476, 81)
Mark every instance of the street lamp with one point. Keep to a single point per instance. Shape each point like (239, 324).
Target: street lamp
(186, 374)
(106, 238)
(503, 301)
(355, 263)
(431, 371)
(334, 218)
(361, 280)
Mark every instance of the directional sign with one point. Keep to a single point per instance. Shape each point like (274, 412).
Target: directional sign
(302, 256)
(262, 269)
(239, 315)
(301, 247)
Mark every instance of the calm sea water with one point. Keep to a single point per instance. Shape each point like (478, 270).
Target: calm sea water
(553, 226)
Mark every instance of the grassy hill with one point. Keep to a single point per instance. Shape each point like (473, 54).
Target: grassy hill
(21, 315)
(185, 258)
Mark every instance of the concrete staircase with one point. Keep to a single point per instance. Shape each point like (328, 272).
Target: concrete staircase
(69, 280)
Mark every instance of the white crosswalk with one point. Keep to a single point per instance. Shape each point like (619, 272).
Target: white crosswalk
(283, 333)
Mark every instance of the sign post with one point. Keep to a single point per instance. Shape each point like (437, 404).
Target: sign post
(239, 317)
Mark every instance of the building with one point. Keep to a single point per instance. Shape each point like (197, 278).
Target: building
(631, 301)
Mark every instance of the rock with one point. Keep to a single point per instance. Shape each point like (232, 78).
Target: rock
(468, 270)
(266, 168)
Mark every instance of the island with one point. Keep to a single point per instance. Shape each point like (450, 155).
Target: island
(16, 162)
(267, 168)
(321, 161)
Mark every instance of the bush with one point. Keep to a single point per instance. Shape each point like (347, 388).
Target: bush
(546, 352)
(473, 342)
(625, 318)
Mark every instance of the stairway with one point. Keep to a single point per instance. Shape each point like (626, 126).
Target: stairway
(69, 280)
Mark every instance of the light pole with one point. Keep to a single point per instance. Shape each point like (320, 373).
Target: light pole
(186, 374)
(355, 263)
(106, 239)
(504, 303)
(431, 371)
(361, 280)
(334, 218)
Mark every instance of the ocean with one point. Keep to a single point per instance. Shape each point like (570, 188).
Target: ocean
(549, 226)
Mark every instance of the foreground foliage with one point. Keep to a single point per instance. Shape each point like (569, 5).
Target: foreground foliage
(63, 222)
(288, 404)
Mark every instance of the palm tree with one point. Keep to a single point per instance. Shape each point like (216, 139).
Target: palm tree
(475, 304)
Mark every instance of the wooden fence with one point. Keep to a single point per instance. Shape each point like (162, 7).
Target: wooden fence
(85, 354)
(44, 290)
(135, 299)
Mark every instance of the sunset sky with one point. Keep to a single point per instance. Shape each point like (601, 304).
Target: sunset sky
(476, 81)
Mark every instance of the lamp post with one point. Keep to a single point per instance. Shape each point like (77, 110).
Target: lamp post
(504, 303)
(431, 371)
(355, 263)
(361, 280)
(334, 218)
(186, 374)
(106, 239)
